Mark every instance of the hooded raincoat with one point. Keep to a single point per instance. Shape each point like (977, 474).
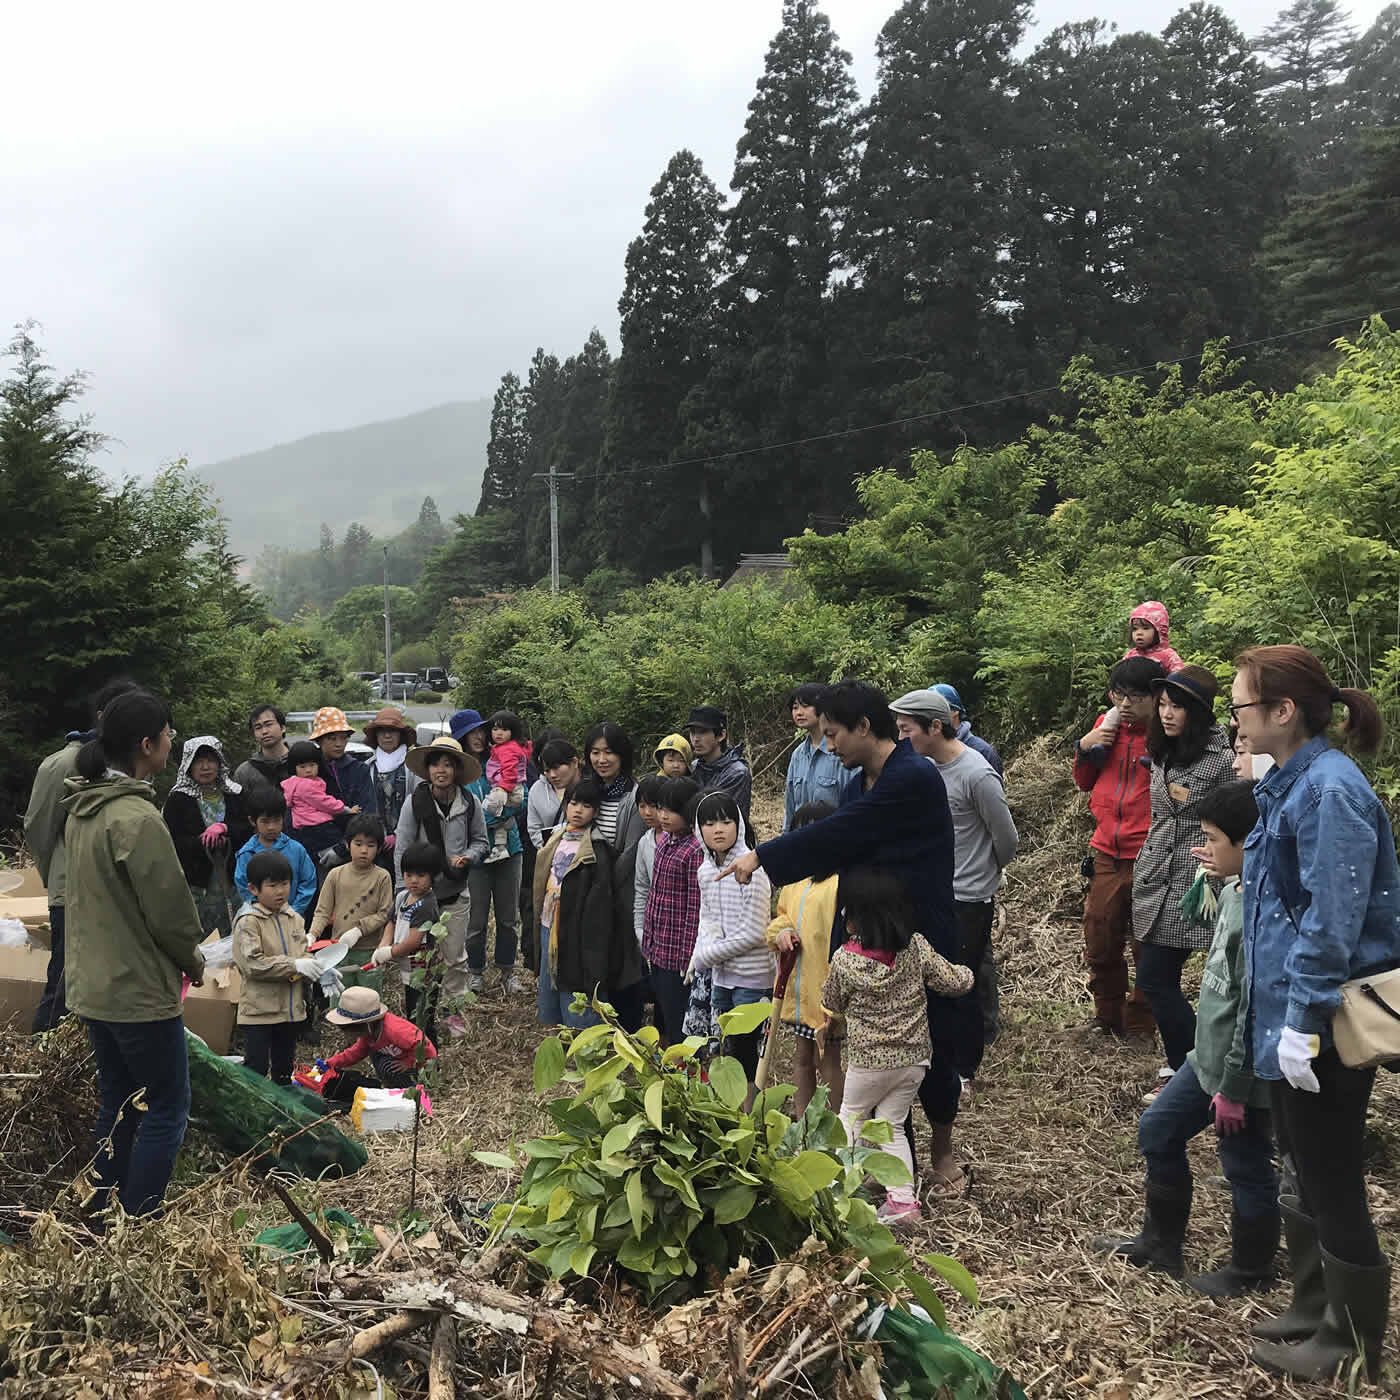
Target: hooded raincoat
(1156, 613)
(189, 811)
(132, 925)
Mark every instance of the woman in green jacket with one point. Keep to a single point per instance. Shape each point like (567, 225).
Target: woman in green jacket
(133, 931)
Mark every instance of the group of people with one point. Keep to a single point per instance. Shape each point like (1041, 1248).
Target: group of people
(1264, 846)
(870, 916)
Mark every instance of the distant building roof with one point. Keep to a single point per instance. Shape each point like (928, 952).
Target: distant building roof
(751, 566)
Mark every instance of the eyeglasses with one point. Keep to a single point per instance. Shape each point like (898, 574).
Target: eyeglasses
(1245, 705)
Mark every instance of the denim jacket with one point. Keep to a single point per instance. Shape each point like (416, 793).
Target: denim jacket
(814, 774)
(1321, 896)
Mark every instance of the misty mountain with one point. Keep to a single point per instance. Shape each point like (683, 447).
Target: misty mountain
(377, 474)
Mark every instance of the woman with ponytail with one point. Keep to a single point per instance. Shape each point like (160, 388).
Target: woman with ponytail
(133, 930)
(1321, 906)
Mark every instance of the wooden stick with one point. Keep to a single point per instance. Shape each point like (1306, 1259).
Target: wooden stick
(576, 1334)
(399, 1325)
(314, 1233)
(738, 1371)
(441, 1385)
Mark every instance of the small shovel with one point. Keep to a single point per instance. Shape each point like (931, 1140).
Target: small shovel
(786, 962)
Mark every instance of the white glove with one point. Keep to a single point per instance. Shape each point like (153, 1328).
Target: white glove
(351, 935)
(308, 968)
(1296, 1053)
(382, 954)
(332, 983)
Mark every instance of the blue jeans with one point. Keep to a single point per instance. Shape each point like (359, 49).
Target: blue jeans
(744, 1048)
(498, 884)
(135, 1150)
(1181, 1111)
(554, 1002)
(52, 1008)
(1159, 980)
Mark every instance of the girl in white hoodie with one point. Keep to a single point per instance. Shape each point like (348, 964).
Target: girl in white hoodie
(732, 944)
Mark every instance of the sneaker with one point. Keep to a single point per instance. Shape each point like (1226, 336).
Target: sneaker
(968, 1095)
(897, 1213)
(513, 984)
(1166, 1072)
(494, 854)
(476, 983)
(1150, 1097)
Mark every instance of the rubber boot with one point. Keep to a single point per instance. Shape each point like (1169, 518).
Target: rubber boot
(1358, 1307)
(1253, 1244)
(1304, 1314)
(1157, 1245)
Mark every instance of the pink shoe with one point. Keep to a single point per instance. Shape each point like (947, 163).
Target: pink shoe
(896, 1213)
(456, 1025)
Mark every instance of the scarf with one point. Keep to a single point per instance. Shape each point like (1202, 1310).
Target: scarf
(390, 762)
(616, 790)
(187, 785)
(880, 955)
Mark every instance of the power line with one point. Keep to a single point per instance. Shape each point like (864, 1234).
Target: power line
(838, 433)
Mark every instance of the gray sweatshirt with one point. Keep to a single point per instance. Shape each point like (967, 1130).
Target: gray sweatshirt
(641, 880)
(542, 812)
(984, 836)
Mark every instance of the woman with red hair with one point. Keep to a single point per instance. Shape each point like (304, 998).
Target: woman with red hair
(1321, 907)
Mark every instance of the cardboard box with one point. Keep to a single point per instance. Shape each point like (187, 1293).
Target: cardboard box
(22, 897)
(210, 1011)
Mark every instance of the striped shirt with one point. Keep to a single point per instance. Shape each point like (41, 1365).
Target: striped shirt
(605, 823)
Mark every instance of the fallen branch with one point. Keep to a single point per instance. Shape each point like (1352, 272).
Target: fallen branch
(441, 1386)
(576, 1334)
(314, 1233)
(371, 1339)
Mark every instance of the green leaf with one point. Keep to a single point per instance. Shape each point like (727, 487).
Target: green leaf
(744, 1019)
(619, 1137)
(560, 1200)
(775, 1126)
(618, 1212)
(495, 1159)
(819, 1169)
(240, 1218)
(792, 1187)
(636, 1203)
(581, 1258)
(734, 1203)
(954, 1273)
(876, 1130)
(655, 1094)
(602, 1074)
(584, 1038)
(669, 1176)
(926, 1297)
(550, 1147)
(728, 1080)
(887, 1170)
(549, 1063)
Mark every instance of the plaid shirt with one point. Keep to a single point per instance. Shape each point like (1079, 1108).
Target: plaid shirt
(672, 915)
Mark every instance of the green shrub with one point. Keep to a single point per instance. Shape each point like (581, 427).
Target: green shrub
(427, 697)
(671, 1181)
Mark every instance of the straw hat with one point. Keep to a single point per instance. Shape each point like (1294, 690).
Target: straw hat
(329, 720)
(468, 769)
(358, 1006)
(390, 717)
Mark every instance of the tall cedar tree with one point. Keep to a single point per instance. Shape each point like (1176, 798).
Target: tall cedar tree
(669, 325)
(1098, 109)
(1222, 186)
(930, 216)
(1310, 48)
(1336, 255)
(1373, 83)
(792, 179)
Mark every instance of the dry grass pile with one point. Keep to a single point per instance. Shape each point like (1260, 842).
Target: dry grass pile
(187, 1306)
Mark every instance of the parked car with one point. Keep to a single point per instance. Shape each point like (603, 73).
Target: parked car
(435, 678)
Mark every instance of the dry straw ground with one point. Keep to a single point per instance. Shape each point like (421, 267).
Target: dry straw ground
(183, 1307)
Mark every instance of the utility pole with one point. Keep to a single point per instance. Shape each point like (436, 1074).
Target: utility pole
(388, 674)
(554, 476)
(707, 549)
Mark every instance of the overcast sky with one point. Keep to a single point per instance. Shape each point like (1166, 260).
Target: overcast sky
(249, 223)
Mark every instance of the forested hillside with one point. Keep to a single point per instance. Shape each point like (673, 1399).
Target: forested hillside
(915, 271)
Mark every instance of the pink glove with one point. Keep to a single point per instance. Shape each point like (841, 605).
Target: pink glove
(389, 841)
(1229, 1116)
(212, 835)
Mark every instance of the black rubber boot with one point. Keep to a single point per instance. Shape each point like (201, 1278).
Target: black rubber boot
(1304, 1314)
(1158, 1244)
(1358, 1307)
(1253, 1244)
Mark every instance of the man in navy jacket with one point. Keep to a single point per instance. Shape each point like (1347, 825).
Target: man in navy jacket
(896, 818)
